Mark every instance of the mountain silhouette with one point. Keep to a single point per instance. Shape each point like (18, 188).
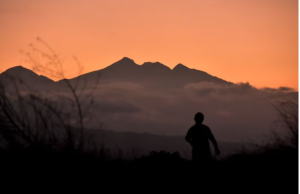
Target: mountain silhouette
(21, 77)
(153, 74)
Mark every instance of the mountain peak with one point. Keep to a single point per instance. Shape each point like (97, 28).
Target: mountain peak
(125, 62)
(19, 67)
(156, 65)
(20, 73)
(180, 67)
(126, 59)
(17, 70)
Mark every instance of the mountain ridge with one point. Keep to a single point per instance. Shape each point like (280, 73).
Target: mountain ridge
(153, 74)
(150, 74)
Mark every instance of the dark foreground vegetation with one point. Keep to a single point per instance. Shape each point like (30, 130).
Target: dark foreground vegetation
(271, 170)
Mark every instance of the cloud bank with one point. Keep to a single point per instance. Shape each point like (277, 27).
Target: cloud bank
(234, 113)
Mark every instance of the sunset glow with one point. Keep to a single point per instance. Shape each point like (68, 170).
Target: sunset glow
(253, 41)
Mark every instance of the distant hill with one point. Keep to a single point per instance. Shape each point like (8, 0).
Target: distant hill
(25, 79)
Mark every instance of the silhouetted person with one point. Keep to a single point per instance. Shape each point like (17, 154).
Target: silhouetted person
(198, 136)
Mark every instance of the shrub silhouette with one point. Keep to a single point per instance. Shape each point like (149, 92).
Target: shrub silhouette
(31, 122)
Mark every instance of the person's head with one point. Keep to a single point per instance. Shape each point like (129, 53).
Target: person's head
(199, 117)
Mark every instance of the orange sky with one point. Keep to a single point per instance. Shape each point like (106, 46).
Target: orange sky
(236, 40)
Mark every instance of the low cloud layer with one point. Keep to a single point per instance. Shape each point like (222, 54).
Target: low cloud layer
(234, 113)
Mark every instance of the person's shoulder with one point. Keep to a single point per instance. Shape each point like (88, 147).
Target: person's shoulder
(205, 126)
(192, 127)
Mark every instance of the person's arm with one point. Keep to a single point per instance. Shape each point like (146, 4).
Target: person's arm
(188, 137)
(214, 142)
